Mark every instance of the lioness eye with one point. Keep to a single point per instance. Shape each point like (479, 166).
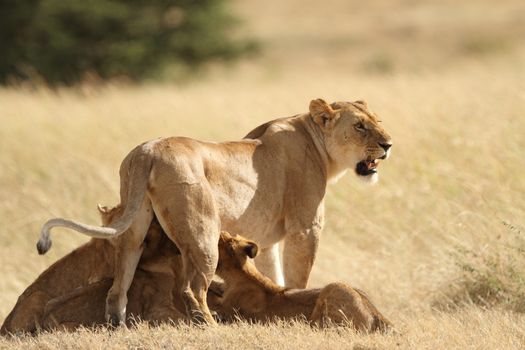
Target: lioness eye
(359, 127)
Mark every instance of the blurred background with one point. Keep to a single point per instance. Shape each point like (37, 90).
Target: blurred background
(65, 43)
(442, 231)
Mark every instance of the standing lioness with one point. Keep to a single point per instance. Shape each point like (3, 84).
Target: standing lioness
(271, 184)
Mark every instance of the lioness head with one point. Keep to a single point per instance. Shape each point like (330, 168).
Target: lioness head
(234, 251)
(353, 137)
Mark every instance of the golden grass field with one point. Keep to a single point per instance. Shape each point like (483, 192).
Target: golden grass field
(438, 243)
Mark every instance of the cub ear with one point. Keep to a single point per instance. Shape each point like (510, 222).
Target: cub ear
(321, 112)
(225, 235)
(336, 105)
(102, 209)
(251, 249)
(362, 103)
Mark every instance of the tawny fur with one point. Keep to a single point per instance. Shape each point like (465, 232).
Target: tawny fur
(71, 293)
(272, 185)
(249, 294)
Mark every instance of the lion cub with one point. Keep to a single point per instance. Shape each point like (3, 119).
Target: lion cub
(250, 294)
(72, 292)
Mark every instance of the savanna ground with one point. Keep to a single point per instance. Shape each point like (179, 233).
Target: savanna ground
(438, 244)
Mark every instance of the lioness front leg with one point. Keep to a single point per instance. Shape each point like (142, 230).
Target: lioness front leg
(268, 261)
(299, 253)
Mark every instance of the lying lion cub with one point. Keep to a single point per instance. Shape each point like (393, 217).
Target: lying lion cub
(72, 291)
(250, 294)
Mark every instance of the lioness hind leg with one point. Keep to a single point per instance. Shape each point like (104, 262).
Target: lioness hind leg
(193, 292)
(190, 219)
(199, 263)
(127, 257)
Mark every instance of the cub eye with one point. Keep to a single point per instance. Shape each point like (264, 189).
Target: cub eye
(359, 126)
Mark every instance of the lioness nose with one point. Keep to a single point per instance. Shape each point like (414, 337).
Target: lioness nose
(385, 145)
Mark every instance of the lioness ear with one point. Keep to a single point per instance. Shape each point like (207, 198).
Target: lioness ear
(321, 112)
(251, 249)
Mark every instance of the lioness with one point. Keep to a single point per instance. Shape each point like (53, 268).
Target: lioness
(271, 184)
(250, 294)
(83, 277)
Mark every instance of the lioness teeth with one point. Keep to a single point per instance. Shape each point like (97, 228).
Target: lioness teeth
(372, 164)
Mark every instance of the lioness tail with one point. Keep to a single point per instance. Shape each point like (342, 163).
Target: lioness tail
(139, 170)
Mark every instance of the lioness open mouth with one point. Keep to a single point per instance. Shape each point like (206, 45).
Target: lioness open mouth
(367, 167)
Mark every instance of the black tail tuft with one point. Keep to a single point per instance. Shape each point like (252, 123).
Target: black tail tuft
(43, 246)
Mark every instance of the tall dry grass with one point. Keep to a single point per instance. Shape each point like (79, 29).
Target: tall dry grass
(469, 329)
(438, 243)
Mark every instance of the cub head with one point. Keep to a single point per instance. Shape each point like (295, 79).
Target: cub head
(353, 137)
(234, 252)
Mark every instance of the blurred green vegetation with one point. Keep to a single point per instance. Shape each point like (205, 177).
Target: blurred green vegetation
(63, 42)
(494, 275)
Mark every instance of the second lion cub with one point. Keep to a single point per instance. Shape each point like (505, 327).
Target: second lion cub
(250, 294)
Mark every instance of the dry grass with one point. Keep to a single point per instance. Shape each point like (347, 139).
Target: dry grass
(438, 243)
(469, 329)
